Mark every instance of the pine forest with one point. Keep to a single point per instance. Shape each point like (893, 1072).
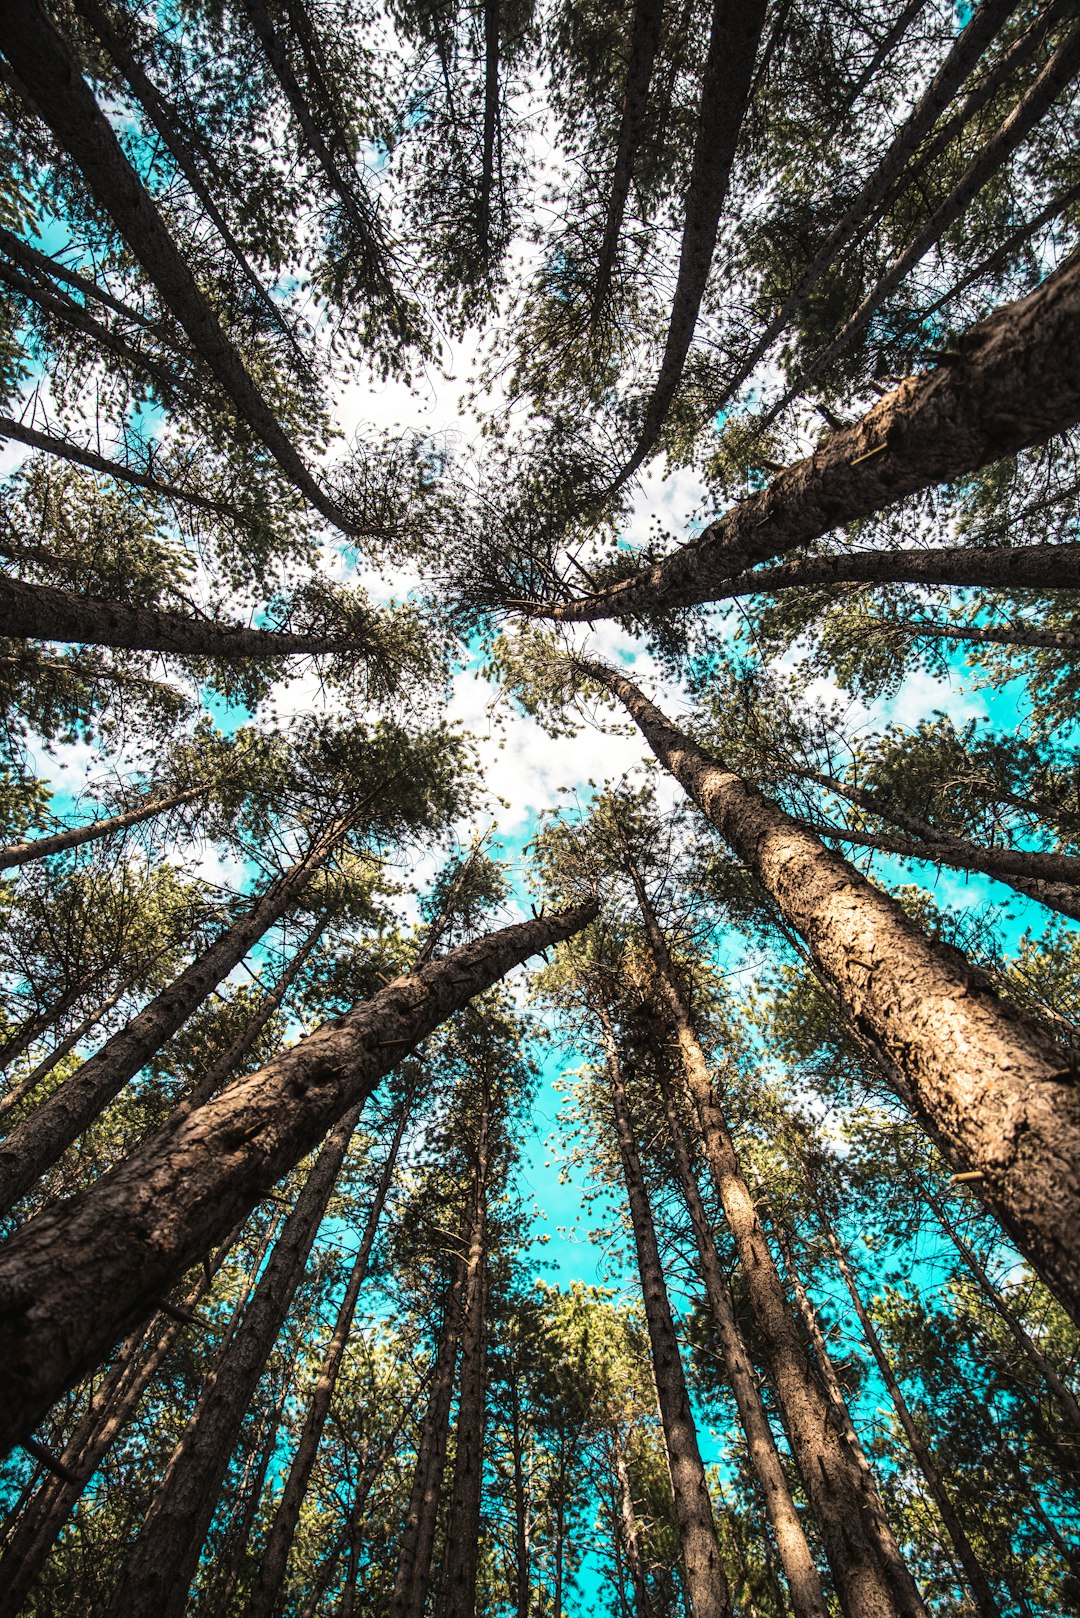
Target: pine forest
(540, 809)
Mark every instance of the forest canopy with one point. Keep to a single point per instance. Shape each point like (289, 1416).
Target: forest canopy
(540, 809)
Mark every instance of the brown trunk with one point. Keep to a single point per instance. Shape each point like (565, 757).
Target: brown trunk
(67, 451)
(160, 1566)
(31, 1028)
(1054, 640)
(462, 1552)
(725, 91)
(27, 1086)
(868, 1571)
(998, 1093)
(234, 1549)
(51, 1128)
(37, 848)
(1021, 567)
(491, 125)
(140, 1227)
(978, 1585)
(699, 1548)
(51, 79)
(521, 1592)
(1014, 382)
(644, 41)
(628, 1530)
(43, 612)
(807, 1599)
(40, 264)
(266, 1590)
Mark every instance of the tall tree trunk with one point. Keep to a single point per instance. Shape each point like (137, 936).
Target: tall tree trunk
(978, 1585)
(802, 1576)
(521, 1592)
(160, 1566)
(266, 1589)
(644, 42)
(1017, 634)
(725, 92)
(998, 1093)
(628, 1529)
(1065, 1399)
(870, 1575)
(37, 848)
(52, 271)
(51, 1128)
(1015, 382)
(234, 1549)
(699, 1547)
(51, 78)
(43, 612)
(140, 1227)
(31, 1028)
(490, 143)
(462, 1553)
(111, 1407)
(27, 1086)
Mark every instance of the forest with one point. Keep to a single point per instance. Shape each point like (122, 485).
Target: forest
(540, 809)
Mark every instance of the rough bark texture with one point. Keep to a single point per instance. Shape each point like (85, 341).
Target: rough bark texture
(37, 848)
(628, 1532)
(270, 1576)
(42, 612)
(999, 1094)
(644, 41)
(868, 1571)
(27, 1086)
(1023, 567)
(52, 1127)
(1015, 382)
(804, 1584)
(238, 1538)
(162, 1562)
(49, 74)
(725, 92)
(1030, 635)
(978, 1585)
(139, 1228)
(706, 1584)
(462, 1553)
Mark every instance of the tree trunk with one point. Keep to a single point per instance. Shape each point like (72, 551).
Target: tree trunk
(51, 1128)
(160, 1565)
(462, 1552)
(1015, 382)
(804, 1584)
(700, 1550)
(1066, 1401)
(644, 42)
(51, 79)
(521, 1593)
(871, 1578)
(31, 1028)
(1000, 1095)
(266, 1590)
(27, 1086)
(38, 264)
(628, 1528)
(1020, 567)
(43, 612)
(234, 1548)
(1054, 640)
(725, 92)
(490, 143)
(37, 848)
(978, 1586)
(138, 1229)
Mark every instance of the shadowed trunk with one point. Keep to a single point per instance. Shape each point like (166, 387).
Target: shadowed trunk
(138, 1229)
(1029, 635)
(725, 91)
(1021, 567)
(870, 1575)
(997, 1092)
(699, 1548)
(37, 848)
(51, 78)
(644, 41)
(42, 612)
(52, 1127)
(802, 1576)
(162, 1562)
(628, 1530)
(27, 1086)
(235, 1543)
(274, 1556)
(1015, 381)
(490, 142)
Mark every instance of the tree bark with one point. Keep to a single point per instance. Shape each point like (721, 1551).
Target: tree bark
(270, 1577)
(38, 264)
(162, 1562)
(644, 42)
(725, 92)
(27, 1086)
(1022, 567)
(870, 1576)
(138, 1229)
(804, 1584)
(699, 1547)
(234, 1549)
(1053, 640)
(628, 1529)
(490, 142)
(38, 848)
(37, 1143)
(978, 1585)
(51, 78)
(1000, 1095)
(1014, 383)
(42, 612)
